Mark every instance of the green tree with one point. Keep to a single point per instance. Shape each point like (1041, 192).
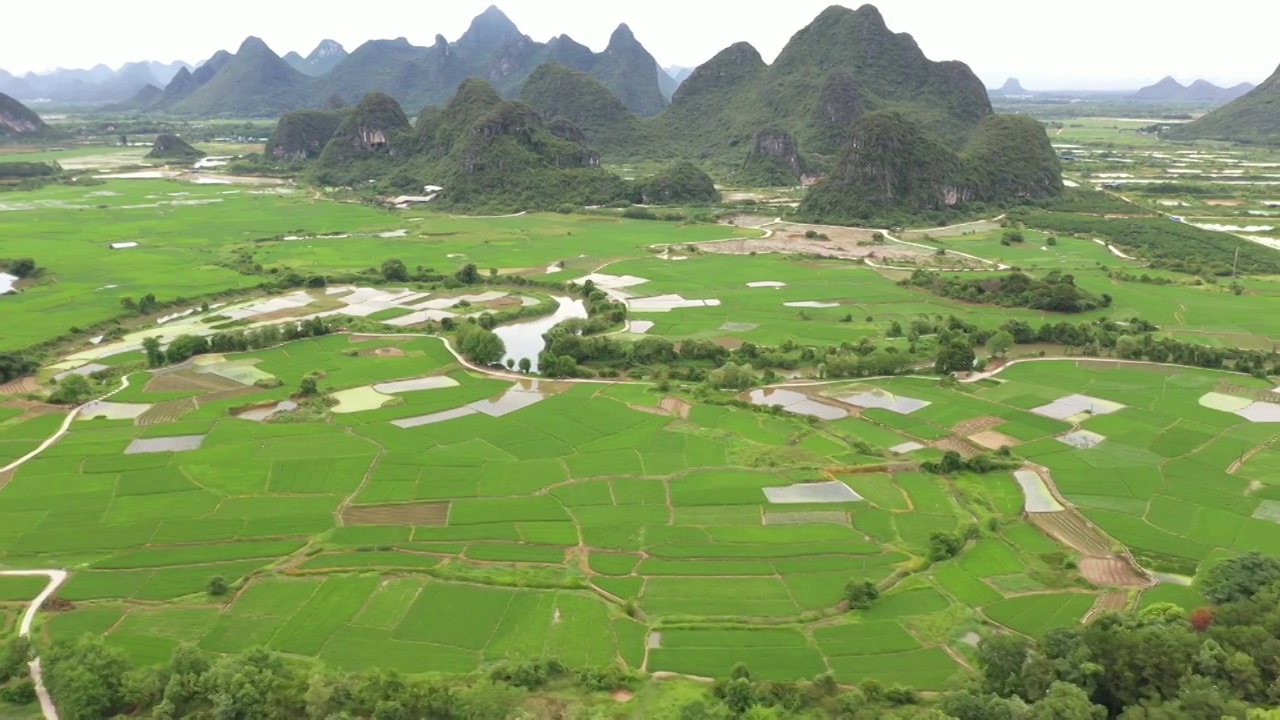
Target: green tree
(480, 345)
(186, 346)
(155, 355)
(955, 355)
(308, 387)
(86, 677)
(71, 390)
(944, 545)
(861, 594)
(467, 274)
(218, 586)
(1065, 701)
(526, 365)
(1000, 343)
(1240, 578)
(22, 267)
(393, 270)
(1000, 659)
(732, 376)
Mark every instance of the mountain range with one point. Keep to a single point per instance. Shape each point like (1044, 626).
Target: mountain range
(324, 58)
(1198, 91)
(97, 85)
(1252, 118)
(848, 98)
(258, 83)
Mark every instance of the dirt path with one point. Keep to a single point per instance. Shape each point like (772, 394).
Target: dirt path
(1235, 466)
(56, 578)
(1110, 601)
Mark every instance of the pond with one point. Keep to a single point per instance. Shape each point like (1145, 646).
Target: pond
(795, 402)
(524, 339)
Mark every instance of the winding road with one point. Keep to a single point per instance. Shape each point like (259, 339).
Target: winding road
(56, 576)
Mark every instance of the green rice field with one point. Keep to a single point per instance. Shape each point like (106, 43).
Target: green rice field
(596, 525)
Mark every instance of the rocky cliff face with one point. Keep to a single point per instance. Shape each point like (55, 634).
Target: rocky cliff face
(377, 126)
(302, 135)
(892, 165)
(17, 119)
(774, 159)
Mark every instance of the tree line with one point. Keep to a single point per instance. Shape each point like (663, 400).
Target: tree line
(1162, 662)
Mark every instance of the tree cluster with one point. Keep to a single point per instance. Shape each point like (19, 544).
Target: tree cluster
(184, 347)
(1215, 662)
(89, 679)
(16, 365)
(1055, 292)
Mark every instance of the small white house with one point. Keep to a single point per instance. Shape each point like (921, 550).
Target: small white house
(123, 245)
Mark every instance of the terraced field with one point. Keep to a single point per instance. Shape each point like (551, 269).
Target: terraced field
(439, 547)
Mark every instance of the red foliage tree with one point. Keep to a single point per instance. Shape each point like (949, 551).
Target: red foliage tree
(1201, 618)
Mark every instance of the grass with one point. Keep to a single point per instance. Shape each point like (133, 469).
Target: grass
(1035, 614)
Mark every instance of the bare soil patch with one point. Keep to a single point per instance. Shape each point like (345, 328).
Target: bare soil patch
(730, 343)
(1114, 571)
(388, 352)
(166, 412)
(955, 444)
(503, 302)
(5, 477)
(1108, 602)
(31, 408)
(1073, 530)
(1227, 203)
(993, 440)
(747, 220)
(417, 513)
(21, 386)
(837, 517)
(676, 406)
(977, 425)
(187, 380)
(228, 394)
(622, 696)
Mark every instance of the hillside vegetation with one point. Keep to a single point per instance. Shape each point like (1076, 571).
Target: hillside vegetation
(485, 151)
(1253, 118)
(893, 167)
(843, 64)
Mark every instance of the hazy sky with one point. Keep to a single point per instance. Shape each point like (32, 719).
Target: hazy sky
(1076, 44)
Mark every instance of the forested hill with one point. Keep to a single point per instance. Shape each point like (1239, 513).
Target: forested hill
(1253, 118)
(842, 65)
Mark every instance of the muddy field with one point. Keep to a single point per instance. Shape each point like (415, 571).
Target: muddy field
(418, 513)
